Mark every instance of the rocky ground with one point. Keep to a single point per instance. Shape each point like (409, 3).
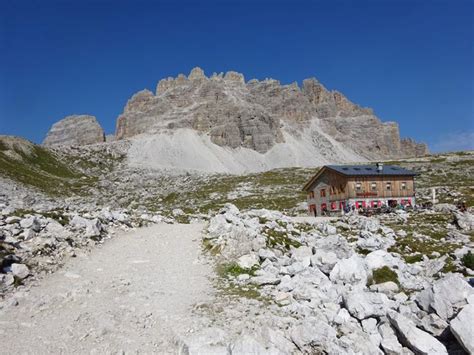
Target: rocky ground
(351, 285)
(393, 283)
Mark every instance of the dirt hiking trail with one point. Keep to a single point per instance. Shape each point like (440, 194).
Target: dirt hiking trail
(133, 294)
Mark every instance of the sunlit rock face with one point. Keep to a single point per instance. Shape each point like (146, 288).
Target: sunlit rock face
(75, 130)
(255, 114)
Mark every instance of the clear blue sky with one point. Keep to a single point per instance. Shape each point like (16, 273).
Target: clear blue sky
(411, 61)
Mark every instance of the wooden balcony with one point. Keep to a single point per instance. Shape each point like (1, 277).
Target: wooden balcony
(382, 194)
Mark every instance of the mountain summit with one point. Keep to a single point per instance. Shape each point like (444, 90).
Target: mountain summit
(223, 123)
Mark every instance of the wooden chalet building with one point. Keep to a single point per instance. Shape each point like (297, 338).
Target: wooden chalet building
(341, 187)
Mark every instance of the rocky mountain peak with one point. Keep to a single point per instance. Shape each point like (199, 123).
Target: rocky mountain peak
(197, 74)
(75, 130)
(265, 117)
(233, 76)
(259, 114)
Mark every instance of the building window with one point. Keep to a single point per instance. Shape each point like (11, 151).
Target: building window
(358, 186)
(389, 186)
(404, 185)
(322, 193)
(373, 186)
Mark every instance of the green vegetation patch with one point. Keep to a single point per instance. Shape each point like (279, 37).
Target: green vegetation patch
(468, 260)
(425, 236)
(383, 274)
(233, 269)
(58, 215)
(279, 240)
(278, 189)
(449, 266)
(411, 259)
(42, 169)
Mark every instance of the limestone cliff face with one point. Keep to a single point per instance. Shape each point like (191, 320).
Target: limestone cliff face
(75, 130)
(256, 114)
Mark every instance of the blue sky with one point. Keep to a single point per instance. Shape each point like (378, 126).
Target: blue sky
(411, 61)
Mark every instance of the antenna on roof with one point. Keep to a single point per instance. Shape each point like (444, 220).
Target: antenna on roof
(379, 167)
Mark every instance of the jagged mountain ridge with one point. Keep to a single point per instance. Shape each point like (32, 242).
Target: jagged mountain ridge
(225, 124)
(255, 114)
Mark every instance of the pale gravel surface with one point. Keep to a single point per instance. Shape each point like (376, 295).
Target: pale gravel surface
(134, 294)
(186, 150)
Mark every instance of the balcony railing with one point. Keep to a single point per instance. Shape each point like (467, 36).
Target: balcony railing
(384, 193)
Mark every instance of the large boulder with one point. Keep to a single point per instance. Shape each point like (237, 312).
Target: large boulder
(352, 271)
(20, 271)
(31, 223)
(464, 220)
(75, 130)
(445, 296)
(248, 261)
(414, 338)
(91, 227)
(313, 335)
(463, 329)
(389, 342)
(362, 305)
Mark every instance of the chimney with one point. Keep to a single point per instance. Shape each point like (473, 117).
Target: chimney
(379, 167)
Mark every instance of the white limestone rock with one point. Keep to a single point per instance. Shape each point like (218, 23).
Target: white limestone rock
(323, 260)
(342, 316)
(389, 342)
(465, 220)
(433, 324)
(352, 271)
(387, 288)
(75, 130)
(266, 254)
(381, 258)
(248, 345)
(248, 261)
(32, 223)
(416, 339)
(373, 241)
(463, 329)
(302, 254)
(312, 334)
(92, 227)
(445, 296)
(362, 305)
(20, 271)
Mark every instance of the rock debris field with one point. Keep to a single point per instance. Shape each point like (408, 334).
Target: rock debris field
(255, 282)
(99, 257)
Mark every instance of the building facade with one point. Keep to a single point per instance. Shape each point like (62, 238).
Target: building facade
(336, 188)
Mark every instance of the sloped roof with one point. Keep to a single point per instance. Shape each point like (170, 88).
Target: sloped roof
(361, 170)
(370, 170)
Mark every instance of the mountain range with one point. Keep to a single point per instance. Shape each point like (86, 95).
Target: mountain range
(223, 123)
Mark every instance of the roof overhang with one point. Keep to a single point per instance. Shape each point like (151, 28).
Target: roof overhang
(311, 181)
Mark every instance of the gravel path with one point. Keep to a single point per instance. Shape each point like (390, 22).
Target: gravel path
(133, 295)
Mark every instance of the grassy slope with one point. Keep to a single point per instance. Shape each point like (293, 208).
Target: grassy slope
(39, 168)
(276, 189)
